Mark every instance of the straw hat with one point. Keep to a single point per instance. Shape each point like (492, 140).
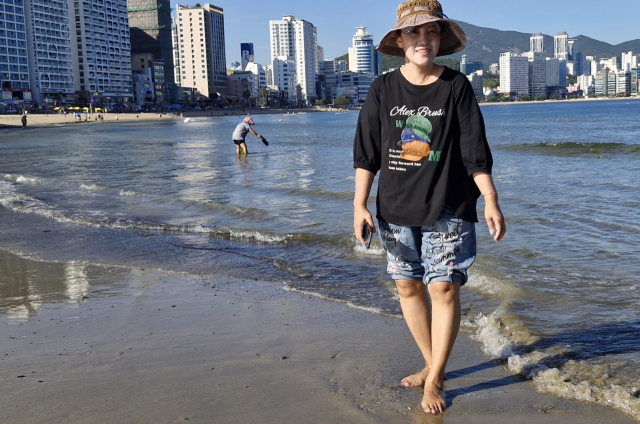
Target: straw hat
(413, 13)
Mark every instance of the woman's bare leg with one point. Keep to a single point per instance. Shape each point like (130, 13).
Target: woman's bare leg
(445, 306)
(244, 147)
(416, 311)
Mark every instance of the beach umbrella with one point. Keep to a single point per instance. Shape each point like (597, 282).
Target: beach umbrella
(85, 108)
(56, 108)
(98, 109)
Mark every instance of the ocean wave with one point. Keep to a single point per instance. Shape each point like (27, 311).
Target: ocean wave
(23, 179)
(91, 187)
(556, 366)
(570, 148)
(350, 304)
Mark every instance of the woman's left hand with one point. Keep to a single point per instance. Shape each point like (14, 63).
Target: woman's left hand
(495, 219)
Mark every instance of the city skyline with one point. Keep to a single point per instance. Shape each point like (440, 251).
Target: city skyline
(248, 21)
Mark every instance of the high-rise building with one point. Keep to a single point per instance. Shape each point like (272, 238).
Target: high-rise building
(49, 47)
(246, 55)
(586, 83)
(514, 74)
(476, 79)
(284, 78)
(101, 51)
(258, 78)
(150, 27)
(537, 73)
(562, 73)
(576, 57)
(553, 72)
(628, 61)
(362, 54)
(202, 51)
(623, 82)
(468, 66)
(613, 64)
(561, 46)
(319, 56)
(153, 68)
(14, 61)
(175, 42)
(537, 43)
(296, 40)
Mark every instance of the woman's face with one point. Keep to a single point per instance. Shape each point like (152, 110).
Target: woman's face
(421, 45)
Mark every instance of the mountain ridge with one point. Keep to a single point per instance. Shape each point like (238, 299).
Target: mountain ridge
(486, 44)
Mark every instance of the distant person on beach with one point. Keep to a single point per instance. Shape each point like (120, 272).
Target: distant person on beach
(422, 129)
(240, 133)
(24, 118)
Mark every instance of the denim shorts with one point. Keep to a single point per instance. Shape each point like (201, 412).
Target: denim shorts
(442, 252)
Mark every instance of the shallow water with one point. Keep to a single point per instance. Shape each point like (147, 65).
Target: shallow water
(558, 296)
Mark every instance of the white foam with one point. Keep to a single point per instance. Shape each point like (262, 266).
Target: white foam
(29, 180)
(258, 236)
(566, 385)
(487, 332)
(372, 250)
(91, 187)
(127, 193)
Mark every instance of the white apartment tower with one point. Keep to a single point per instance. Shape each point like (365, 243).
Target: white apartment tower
(537, 43)
(49, 49)
(202, 51)
(296, 39)
(561, 46)
(514, 74)
(175, 42)
(628, 61)
(362, 53)
(14, 61)
(283, 70)
(101, 50)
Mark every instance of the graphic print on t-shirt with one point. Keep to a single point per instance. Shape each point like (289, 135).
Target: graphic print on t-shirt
(415, 140)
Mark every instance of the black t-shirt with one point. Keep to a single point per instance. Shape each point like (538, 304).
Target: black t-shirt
(413, 190)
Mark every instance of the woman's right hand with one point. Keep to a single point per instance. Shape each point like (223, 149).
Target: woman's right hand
(361, 216)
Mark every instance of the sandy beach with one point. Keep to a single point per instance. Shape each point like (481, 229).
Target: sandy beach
(174, 347)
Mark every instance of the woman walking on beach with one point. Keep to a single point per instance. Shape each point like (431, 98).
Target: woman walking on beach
(422, 129)
(240, 134)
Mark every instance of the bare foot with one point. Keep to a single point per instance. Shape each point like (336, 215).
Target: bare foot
(433, 401)
(416, 380)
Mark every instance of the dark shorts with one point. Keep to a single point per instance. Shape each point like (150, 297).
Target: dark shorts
(238, 142)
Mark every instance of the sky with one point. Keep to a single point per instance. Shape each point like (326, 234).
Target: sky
(247, 21)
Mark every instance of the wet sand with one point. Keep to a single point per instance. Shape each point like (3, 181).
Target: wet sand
(167, 348)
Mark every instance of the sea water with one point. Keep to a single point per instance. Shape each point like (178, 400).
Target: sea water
(558, 298)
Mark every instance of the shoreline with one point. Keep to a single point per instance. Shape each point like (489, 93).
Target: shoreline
(170, 347)
(13, 121)
(544, 102)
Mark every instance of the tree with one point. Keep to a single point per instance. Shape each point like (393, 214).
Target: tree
(341, 100)
(540, 97)
(490, 80)
(319, 102)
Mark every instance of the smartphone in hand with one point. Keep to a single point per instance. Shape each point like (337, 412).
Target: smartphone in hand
(366, 235)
